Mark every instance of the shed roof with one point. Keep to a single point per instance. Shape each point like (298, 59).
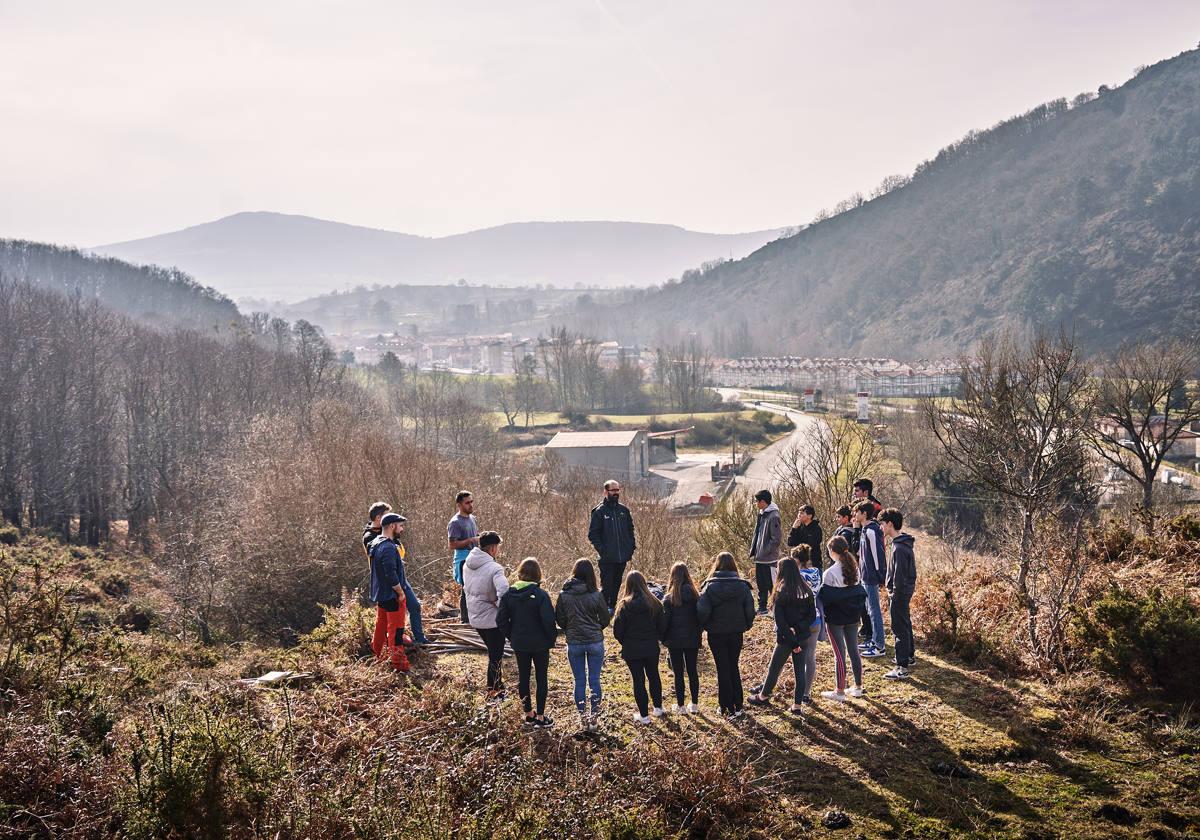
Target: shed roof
(573, 440)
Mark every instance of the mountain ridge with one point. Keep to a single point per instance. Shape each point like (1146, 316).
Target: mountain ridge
(275, 255)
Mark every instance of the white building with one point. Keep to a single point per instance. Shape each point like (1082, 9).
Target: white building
(620, 455)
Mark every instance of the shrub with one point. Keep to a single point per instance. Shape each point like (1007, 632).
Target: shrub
(1151, 643)
(9, 535)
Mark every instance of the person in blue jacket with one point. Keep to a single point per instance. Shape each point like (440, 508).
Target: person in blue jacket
(842, 596)
(873, 567)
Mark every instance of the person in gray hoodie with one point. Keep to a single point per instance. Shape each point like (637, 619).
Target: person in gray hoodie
(764, 548)
(901, 583)
(484, 583)
(582, 613)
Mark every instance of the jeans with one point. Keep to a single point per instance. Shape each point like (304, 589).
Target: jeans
(878, 631)
(764, 581)
(902, 627)
(414, 614)
(493, 637)
(643, 670)
(526, 661)
(682, 658)
(611, 576)
(727, 651)
(804, 665)
(586, 664)
(844, 638)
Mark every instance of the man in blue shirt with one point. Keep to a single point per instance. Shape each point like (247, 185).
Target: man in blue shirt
(462, 534)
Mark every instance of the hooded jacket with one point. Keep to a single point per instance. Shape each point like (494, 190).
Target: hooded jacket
(812, 536)
(611, 533)
(842, 605)
(387, 569)
(526, 618)
(768, 535)
(638, 627)
(726, 604)
(682, 623)
(902, 570)
(484, 584)
(582, 614)
(871, 557)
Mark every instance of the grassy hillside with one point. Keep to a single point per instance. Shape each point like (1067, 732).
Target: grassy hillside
(161, 296)
(1084, 212)
(114, 724)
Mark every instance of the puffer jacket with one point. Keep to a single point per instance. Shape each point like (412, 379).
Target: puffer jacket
(582, 614)
(484, 584)
(726, 604)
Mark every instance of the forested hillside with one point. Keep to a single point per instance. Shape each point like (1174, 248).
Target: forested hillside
(160, 296)
(1084, 212)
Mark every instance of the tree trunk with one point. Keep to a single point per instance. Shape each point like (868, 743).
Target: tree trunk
(1023, 563)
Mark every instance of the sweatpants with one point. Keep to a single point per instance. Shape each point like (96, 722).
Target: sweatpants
(389, 633)
(844, 638)
(682, 658)
(611, 577)
(643, 671)
(902, 627)
(804, 665)
(525, 662)
(765, 575)
(727, 651)
(493, 637)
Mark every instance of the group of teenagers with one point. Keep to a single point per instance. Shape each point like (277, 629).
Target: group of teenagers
(808, 599)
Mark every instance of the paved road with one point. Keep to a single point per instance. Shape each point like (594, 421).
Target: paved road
(762, 470)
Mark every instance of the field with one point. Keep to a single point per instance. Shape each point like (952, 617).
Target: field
(153, 736)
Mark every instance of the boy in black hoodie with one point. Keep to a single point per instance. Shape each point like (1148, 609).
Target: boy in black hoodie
(901, 582)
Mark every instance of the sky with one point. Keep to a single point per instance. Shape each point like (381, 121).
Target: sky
(120, 120)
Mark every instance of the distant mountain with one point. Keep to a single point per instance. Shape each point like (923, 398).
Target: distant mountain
(276, 256)
(158, 296)
(1085, 213)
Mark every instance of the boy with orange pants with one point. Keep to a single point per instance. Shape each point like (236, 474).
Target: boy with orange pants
(387, 591)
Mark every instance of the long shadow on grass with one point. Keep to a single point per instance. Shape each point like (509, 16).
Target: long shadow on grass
(1004, 711)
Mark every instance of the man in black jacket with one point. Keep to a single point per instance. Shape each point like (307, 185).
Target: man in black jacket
(806, 530)
(611, 534)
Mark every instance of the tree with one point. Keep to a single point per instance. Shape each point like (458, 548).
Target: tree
(527, 389)
(1020, 430)
(1143, 404)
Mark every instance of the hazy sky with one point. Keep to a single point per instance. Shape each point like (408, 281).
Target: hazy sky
(122, 119)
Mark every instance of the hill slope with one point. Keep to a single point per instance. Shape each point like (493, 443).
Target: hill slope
(155, 295)
(292, 257)
(1086, 213)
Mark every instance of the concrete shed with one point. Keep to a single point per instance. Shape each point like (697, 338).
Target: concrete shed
(619, 455)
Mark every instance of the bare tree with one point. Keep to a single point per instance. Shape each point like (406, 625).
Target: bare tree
(1144, 402)
(821, 469)
(1020, 430)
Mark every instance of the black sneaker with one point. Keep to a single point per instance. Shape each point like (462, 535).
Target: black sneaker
(543, 722)
(530, 720)
(754, 700)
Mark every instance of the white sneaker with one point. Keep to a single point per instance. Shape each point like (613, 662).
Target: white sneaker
(834, 695)
(691, 709)
(637, 718)
(658, 711)
(679, 710)
(896, 674)
(855, 692)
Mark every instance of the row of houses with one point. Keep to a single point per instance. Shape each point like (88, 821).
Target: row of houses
(883, 377)
(499, 354)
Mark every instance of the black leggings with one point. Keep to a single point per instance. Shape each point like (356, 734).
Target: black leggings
(681, 658)
(540, 660)
(611, 575)
(643, 670)
(727, 651)
(493, 637)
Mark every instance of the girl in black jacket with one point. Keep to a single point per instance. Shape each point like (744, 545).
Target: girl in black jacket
(726, 611)
(795, 609)
(638, 625)
(682, 634)
(526, 618)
